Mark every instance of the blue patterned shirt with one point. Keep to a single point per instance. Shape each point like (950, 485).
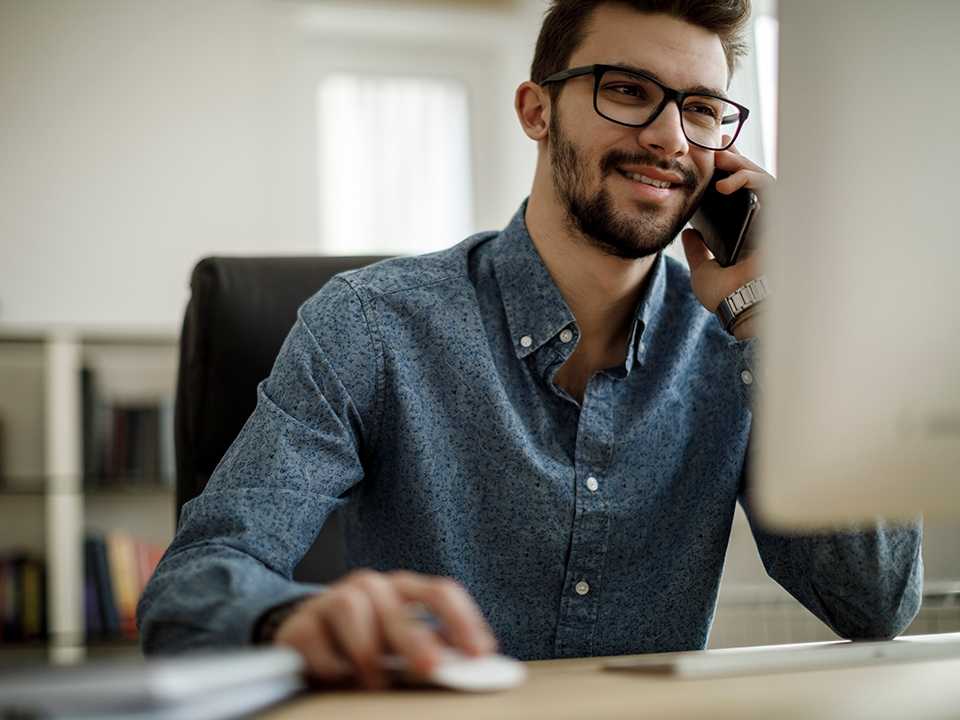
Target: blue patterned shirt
(418, 395)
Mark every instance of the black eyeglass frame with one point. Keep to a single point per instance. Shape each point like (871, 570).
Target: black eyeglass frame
(669, 95)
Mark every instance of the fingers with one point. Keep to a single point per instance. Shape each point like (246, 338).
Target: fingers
(306, 632)
(346, 631)
(355, 627)
(744, 172)
(461, 619)
(732, 160)
(734, 151)
(743, 178)
(415, 640)
(403, 633)
(694, 248)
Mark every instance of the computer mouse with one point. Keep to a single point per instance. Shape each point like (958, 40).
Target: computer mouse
(465, 673)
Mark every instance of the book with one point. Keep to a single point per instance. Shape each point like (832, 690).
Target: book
(122, 560)
(7, 606)
(32, 598)
(22, 598)
(93, 620)
(148, 557)
(118, 568)
(98, 567)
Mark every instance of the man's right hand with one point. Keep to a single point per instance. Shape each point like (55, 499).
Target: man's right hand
(344, 632)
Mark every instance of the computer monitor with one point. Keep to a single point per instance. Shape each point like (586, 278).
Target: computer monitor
(859, 409)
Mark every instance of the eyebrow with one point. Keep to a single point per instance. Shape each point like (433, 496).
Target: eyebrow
(696, 89)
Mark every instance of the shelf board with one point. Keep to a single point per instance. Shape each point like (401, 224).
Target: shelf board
(132, 489)
(111, 488)
(6, 491)
(109, 334)
(22, 652)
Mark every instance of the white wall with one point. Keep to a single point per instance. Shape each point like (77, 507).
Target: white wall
(137, 137)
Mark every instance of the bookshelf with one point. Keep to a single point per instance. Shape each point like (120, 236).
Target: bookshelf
(86, 422)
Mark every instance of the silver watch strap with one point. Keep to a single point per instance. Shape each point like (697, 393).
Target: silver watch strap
(741, 300)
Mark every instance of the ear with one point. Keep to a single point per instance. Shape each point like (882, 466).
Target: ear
(532, 103)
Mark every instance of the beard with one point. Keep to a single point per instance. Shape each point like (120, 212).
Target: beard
(595, 218)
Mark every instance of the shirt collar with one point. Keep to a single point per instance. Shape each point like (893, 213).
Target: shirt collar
(649, 310)
(535, 309)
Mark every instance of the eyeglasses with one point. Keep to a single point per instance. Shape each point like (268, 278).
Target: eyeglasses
(636, 100)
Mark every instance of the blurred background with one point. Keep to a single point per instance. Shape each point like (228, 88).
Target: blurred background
(137, 137)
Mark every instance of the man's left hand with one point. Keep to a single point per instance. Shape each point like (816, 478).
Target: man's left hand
(711, 282)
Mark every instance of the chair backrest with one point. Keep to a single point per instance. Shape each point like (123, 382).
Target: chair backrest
(240, 311)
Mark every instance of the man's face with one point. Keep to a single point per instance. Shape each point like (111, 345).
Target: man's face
(592, 158)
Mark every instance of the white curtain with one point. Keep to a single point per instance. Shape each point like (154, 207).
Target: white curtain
(766, 32)
(394, 164)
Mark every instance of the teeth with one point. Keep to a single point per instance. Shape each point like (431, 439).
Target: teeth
(648, 181)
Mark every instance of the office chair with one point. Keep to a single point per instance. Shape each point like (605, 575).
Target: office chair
(239, 313)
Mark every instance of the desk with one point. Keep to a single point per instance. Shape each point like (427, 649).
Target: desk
(580, 689)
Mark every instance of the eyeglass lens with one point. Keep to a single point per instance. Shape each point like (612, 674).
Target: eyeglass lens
(633, 99)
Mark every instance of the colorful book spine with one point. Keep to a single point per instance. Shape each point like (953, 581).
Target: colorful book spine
(122, 558)
(22, 598)
(98, 568)
(118, 567)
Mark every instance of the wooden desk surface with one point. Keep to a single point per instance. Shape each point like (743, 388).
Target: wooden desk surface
(581, 689)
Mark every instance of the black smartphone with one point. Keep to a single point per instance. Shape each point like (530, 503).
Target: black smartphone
(724, 220)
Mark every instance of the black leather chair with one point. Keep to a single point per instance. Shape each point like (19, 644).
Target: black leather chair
(240, 311)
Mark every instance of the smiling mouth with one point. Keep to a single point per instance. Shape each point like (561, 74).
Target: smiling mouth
(637, 177)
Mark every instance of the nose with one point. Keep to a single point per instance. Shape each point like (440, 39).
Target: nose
(664, 136)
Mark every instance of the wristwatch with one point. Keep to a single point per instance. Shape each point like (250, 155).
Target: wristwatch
(740, 300)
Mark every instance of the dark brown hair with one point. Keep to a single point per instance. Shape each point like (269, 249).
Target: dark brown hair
(565, 23)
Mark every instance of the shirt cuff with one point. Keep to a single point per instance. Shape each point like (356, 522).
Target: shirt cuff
(252, 610)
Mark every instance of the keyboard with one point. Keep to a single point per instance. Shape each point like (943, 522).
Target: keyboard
(792, 658)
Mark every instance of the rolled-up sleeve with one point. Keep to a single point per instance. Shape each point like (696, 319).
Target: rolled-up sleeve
(865, 584)
(298, 455)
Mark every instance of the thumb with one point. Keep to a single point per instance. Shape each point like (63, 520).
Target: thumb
(695, 250)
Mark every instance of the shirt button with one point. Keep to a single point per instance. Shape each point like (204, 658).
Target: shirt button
(566, 335)
(582, 587)
(526, 341)
(747, 377)
(592, 484)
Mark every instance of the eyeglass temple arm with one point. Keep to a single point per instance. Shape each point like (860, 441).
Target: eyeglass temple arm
(567, 74)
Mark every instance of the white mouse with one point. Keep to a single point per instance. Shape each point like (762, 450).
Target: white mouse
(457, 671)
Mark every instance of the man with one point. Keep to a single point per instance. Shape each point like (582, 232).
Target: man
(538, 435)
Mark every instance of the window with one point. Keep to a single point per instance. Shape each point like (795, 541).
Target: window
(394, 164)
(766, 37)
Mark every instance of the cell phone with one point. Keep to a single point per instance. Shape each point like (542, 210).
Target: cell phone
(725, 220)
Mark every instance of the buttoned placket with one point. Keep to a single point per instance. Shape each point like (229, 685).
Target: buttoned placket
(583, 582)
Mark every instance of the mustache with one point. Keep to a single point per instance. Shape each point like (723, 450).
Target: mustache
(615, 158)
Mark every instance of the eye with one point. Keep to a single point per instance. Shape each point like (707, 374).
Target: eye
(701, 109)
(628, 90)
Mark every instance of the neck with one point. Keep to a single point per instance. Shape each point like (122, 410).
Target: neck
(601, 290)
